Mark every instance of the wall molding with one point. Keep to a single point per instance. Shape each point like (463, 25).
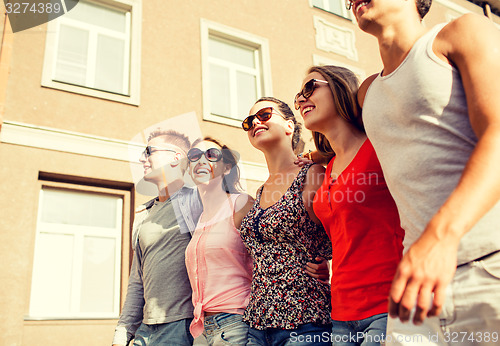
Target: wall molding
(335, 39)
(67, 141)
(47, 138)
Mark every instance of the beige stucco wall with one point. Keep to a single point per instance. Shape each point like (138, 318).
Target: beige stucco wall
(171, 69)
(19, 192)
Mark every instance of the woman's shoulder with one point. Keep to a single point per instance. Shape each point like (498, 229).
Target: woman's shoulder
(315, 168)
(314, 176)
(242, 204)
(241, 200)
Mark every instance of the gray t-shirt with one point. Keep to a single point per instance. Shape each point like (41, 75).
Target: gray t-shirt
(167, 291)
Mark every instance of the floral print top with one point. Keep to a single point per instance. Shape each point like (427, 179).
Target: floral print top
(281, 240)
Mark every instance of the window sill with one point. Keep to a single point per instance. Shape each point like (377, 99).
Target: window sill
(223, 120)
(76, 89)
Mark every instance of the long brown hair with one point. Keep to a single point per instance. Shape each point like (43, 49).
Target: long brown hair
(344, 85)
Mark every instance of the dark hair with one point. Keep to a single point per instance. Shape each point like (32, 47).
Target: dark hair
(423, 7)
(172, 137)
(231, 181)
(343, 84)
(287, 112)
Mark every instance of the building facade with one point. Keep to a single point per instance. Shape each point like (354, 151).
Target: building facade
(78, 97)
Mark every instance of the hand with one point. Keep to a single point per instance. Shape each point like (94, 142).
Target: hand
(426, 269)
(303, 159)
(319, 270)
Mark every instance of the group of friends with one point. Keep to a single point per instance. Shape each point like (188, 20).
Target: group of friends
(407, 209)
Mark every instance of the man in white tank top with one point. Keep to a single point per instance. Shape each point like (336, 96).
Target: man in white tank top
(433, 117)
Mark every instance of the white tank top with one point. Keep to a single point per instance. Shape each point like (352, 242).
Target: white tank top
(417, 120)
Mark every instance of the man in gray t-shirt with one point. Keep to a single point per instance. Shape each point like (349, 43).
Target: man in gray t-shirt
(158, 308)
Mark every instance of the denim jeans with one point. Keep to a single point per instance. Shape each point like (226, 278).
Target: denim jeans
(225, 329)
(470, 315)
(367, 332)
(172, 333)
(305, 335)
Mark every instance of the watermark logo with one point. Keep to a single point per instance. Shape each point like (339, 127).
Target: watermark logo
(26, 14)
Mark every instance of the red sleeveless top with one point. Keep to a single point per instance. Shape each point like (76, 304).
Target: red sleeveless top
(362, 221)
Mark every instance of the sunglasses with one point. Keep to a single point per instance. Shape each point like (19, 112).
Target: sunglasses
(212, 154)
(348, 4)
(151, 149)
(307, 91)
(263, 115)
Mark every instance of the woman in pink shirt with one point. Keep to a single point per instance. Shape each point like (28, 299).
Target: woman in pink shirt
(219, 267)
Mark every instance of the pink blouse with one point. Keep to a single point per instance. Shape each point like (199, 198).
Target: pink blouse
(219, 267)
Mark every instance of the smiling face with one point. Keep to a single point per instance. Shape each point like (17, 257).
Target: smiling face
(204, 171)
(271, 131)
(160, 159)
(374, 15)
(359, 6)
(318, 110)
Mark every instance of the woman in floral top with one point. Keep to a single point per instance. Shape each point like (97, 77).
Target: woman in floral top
(282, 235)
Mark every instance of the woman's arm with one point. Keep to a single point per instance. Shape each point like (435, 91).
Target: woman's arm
(312, 157)
(314, 179)
(319, 270)
(242, 206)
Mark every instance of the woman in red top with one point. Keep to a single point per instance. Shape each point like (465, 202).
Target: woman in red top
(354, 206)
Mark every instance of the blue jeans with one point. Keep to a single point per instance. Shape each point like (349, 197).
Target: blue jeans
(306, 334)
(172, 333)
(367, 332)
(225, 329)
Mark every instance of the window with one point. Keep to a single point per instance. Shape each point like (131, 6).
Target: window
(235, 72)
(77, 260)
(93, 50)
(334, 6)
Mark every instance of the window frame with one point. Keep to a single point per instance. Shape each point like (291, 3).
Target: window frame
(122, 256)
(261, 45)
(345, 13)
(133, 7)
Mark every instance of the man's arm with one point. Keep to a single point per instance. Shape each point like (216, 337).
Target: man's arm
(471, 44)
(363, 88)
(132, 313)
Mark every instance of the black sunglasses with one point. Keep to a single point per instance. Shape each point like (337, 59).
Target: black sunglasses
(150, 149)
(212, 154)
(307, 91)
(263, 115)
(348, 4)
